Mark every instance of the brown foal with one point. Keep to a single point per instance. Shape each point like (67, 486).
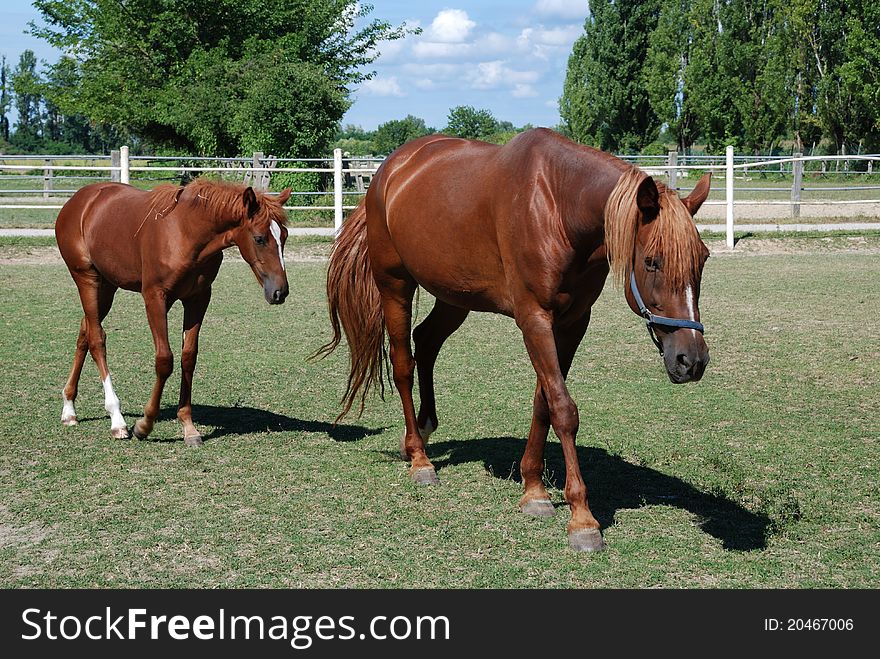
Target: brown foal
(529, 230)
(167, 244)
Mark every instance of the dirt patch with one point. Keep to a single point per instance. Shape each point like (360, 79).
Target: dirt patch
(317, 251)
(306, 251)
(750, 246)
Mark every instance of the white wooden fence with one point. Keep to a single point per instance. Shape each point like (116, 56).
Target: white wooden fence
(674, 167)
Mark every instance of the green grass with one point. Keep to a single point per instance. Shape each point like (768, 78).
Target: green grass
(762, 475)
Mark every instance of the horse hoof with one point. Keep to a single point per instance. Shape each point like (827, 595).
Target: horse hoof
(425, 476)
(69, 421)
(587, 540)
(119, 433)
(139, 431)
(193, 440)
(538, 508)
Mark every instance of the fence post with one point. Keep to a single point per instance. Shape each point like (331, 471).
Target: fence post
(729, 190)
(114, 162)
(47, 178)
(797, 168)
(673, 171)
(123, 165)
(337, 189)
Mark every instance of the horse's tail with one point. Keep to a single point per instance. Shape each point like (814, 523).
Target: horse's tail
(356, 309)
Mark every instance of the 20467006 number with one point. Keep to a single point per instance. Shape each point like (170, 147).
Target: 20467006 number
(808, 624)
(819, 624)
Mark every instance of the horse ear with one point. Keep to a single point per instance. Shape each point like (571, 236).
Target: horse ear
(698, 195)
(284, 195)
(249, 199)
(648, 199)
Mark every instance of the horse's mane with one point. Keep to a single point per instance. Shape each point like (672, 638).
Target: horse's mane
(220, 198)
(673, 234)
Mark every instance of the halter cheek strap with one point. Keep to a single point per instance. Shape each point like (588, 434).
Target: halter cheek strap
(652, 320)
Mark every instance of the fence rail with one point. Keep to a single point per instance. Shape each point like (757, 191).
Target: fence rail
(258, 169)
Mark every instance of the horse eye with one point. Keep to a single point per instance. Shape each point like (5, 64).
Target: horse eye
(260, 240)
(651, 264)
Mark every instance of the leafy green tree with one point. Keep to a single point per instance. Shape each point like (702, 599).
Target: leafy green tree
(392, 134)
(604, 100)
(218, 77)
(470, 123)
(838, 48)
(70, 132)
(5, 99)
(666, 65)
(26, 87)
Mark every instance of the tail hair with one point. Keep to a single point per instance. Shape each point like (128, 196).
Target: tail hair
(356, 309)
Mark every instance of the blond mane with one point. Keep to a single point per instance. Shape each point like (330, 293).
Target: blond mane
(672, 234)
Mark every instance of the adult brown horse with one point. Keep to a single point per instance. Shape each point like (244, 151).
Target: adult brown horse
(168, 244)
(527, 230)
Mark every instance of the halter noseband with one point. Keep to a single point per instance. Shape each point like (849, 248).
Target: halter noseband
(652, 320)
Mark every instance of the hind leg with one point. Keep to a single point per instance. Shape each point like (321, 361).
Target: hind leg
(428, 337)
(68, 394)
(397, 294)
(96, 295)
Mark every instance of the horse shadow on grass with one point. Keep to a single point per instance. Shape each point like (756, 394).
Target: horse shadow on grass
(614, 484)
(243, 420)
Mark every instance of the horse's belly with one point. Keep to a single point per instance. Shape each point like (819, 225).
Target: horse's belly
(474, 293)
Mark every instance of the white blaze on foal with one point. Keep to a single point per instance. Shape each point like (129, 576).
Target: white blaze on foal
(111, 404)
(275, 230)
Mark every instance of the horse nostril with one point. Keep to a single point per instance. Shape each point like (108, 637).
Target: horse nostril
(684, 360)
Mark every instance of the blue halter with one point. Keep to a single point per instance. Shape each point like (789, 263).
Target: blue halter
(652, 320)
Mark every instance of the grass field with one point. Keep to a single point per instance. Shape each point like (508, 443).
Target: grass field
(762, 475)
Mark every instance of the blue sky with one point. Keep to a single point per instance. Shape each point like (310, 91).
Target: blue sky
(505, 56)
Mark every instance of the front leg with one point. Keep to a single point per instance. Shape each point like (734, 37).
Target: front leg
(537, 329)
(194, 310)
(157, 315)
(535, 500)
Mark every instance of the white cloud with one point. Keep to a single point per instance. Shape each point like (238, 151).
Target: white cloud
(522, 90)
(432, 49)
(494, 75)
(382, 87)
(567, 9)
(450, 26)
(425, 84)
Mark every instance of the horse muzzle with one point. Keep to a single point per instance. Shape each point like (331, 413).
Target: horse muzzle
(687, 364)
(275, 292)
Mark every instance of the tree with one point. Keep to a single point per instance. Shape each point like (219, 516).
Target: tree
(468, 122)
(666, 65)
(26, 87)
(67, 131)
(218, 77)
(604, 101)
(5, 99)
(392, 134)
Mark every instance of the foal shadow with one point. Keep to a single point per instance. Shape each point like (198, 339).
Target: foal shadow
(614, 484)
(242, 420)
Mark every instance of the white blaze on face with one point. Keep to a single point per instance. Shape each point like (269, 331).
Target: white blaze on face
(275, 230)
(111, 404)
(689, 299)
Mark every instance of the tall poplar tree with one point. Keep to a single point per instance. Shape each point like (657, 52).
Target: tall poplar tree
(604, 100)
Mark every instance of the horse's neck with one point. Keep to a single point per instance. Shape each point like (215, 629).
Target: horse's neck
(582, 195)
(211, 231)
